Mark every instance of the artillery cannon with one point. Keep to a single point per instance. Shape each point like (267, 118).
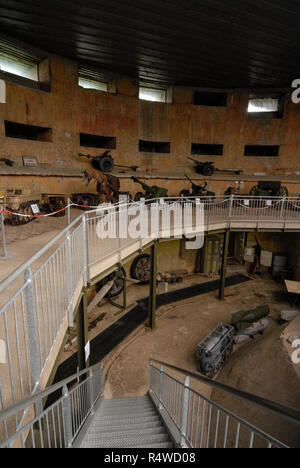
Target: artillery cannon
(197, 190)
(151, 191)
(104, 162)
(269, 189)
(208, 168)
(21, 202)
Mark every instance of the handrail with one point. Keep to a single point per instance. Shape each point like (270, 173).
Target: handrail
(22, 405)
(288, 413)
(18, 271)
(38, 310)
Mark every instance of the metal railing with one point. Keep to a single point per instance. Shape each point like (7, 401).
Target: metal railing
(198, 422)
(37, 300)
(54, 416)
(57, 415)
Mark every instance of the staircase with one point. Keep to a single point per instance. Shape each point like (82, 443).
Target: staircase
(126, 422)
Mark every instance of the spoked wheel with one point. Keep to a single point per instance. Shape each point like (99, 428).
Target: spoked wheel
(140, 268)
(254, 192)
(138, 196)
(118, 285)
(24, 209)
(282, 192)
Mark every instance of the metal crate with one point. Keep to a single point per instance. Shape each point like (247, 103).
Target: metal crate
(213, 350)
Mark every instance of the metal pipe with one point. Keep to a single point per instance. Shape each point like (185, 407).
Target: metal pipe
(3, 236)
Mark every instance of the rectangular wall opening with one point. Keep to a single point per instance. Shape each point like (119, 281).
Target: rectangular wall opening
(202, 98)
(27, 132)
(97, 141)
(262, 106)
(262, 150)
(154, 147)
(209, 150)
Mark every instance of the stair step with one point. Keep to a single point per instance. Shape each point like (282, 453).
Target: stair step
(121, 401)
(129, 433)
(107, 421)
(135, 441)
(154, 445)
(115, 413)
(142, 425)
(126, 409)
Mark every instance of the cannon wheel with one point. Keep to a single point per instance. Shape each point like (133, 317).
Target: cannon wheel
(282, 192)
(254, 192)
(106, 164)
(184, 193)
(208, 170)
(140, 268)
(24, 208)
(138, 196)
(117, 287)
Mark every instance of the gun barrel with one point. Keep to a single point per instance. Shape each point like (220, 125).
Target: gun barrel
(192, 159)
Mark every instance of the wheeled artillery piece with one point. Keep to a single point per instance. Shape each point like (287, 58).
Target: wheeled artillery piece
(267, 188)
(105, 162)
(208, 168)
(197, 190)
(151, 191)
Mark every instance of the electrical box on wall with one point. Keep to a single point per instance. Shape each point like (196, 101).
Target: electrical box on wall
(266, 258)
(249, 255)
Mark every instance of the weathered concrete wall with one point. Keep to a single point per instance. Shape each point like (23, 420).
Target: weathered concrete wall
(69, 110)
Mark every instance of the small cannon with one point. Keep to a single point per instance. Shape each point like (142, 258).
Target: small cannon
(151, 191)
(197, 190)
(266, 188)
(104, 162)
(208, 168)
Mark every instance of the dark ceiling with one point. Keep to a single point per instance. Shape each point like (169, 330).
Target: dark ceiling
(198, 43)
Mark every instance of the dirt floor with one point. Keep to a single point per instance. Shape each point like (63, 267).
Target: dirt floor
(260, 366)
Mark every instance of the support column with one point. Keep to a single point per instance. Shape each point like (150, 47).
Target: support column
(82, 332)
(152, 287)
(224, 264)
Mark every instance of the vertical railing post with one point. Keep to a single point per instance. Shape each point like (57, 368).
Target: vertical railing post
(84, 252)
(31, 328)
(101, 378)
(184, 412)
(150, 375)
(282, 207)
(67, 417)
(86, 245)
(69, 279)
(3, 236)
(161, 376)
(208, 216)
(69, 211)
(230, 211)
(91, 388)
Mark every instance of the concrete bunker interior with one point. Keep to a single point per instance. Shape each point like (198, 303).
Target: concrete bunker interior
(84, 144)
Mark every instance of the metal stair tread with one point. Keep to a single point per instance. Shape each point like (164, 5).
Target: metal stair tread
(119, 414)
(134, 425)
(126, 441)
(94, 434)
